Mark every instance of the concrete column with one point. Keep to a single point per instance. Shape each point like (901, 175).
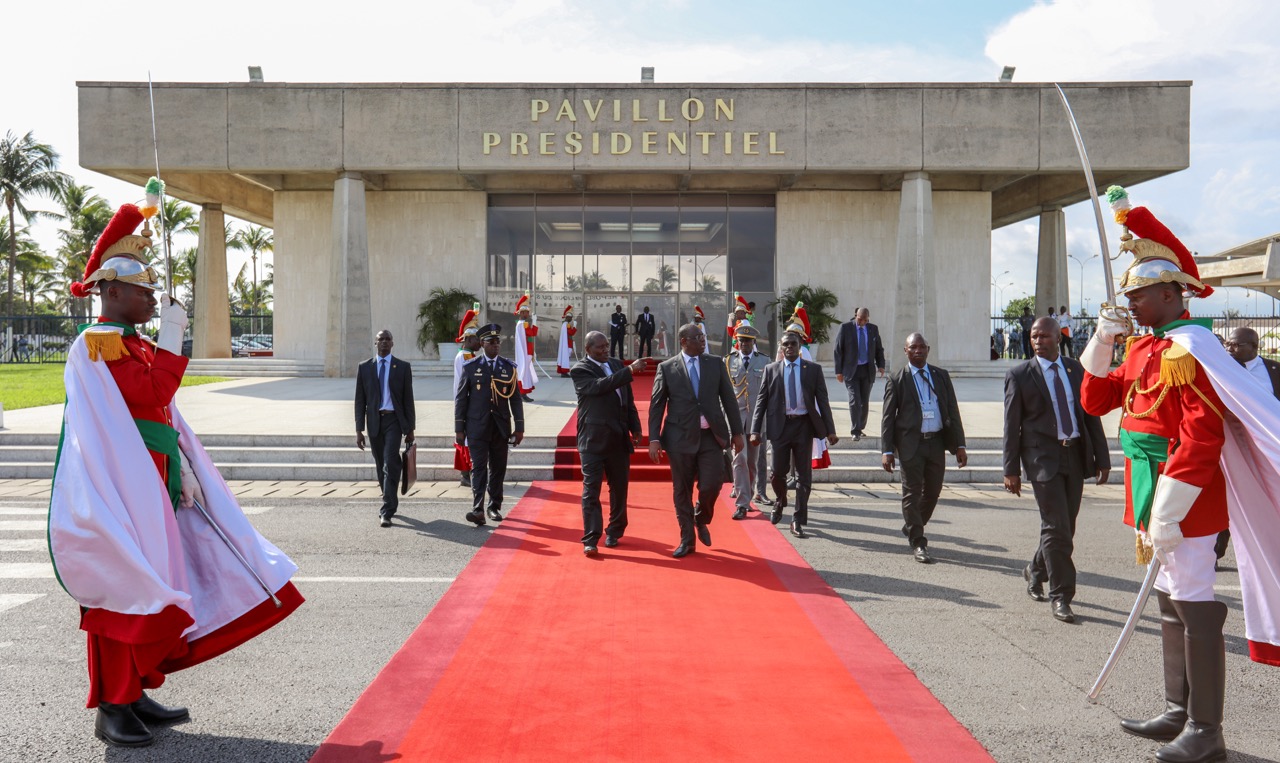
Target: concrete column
(211, 330)
(349, 337)
(916, 304)
(1052, 280)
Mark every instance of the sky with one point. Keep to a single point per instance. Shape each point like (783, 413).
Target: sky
(1228, 50)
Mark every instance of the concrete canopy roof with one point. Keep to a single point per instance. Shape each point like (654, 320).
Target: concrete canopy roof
(237, 143)
(1253, 265)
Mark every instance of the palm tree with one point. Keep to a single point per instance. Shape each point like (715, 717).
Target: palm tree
(666, 277)
(29, 256)
(85, 216)
(176, 217)
(184, 273)
(247, 298)
(27, 168)
(708, 283)
(256, 239)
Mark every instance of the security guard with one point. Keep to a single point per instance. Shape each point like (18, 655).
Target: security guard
(487, 399)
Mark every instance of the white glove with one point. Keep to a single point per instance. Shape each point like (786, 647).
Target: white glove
(173, 323)
(191, 491)
(1096, 357)
(1170, 505)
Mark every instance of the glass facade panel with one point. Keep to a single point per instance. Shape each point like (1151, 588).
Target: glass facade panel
(665, 251)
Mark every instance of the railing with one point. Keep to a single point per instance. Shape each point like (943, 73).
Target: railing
(1267, 326)
(46, 338)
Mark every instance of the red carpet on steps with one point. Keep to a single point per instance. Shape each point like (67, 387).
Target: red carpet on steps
(568, 465)
(739, 652)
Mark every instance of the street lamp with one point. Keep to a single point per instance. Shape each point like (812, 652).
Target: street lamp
(702, 271)
(997, 291)
(1081, 263)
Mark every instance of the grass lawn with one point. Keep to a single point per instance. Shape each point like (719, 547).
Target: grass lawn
(27, 385)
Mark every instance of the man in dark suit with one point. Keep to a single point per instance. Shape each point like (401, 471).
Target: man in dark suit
(486, 402)
(384, 406)
(1058, 445)
(858, 346)
(694, 393)
(921, 423)
(645, 329)
(793, 408)
(1242, 345)
(618, 333)
(606, 416)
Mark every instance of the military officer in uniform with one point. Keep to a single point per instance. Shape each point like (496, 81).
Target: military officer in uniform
(485, 404)
(746, 369)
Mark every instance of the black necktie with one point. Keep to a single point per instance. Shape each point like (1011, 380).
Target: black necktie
(1066, 422)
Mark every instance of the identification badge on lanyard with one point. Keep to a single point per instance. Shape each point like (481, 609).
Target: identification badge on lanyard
(928, 415)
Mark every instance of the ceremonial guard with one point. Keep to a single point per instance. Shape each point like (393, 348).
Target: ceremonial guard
(469, 341)
(526, 330)
(564, 354)
(1189, 413)
(741, 314)
(700, 319)
(798, 324)
(484, 407)
(746, 370)
(143, 532)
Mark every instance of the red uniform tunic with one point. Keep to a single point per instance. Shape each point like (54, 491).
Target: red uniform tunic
(1193, 428)
(530, 331)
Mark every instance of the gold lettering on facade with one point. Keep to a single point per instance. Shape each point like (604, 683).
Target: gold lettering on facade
(773, 144)
(538, 107)
(520, 143)
(728, 144)
(573, 143)
(648, 142)
(617, 110)
(706, 141)
(566, 111)
(491, 139)
(692, 109)
(662, 111)
(619, 143)
(547, 143)
(724, 107)
(595, 144)
(750, 143)
(593, 113)
(676, 143)
(635, 112)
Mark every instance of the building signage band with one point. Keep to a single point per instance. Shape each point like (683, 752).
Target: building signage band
(714, 117)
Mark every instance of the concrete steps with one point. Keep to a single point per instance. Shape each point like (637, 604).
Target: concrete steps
(255, 367)
(332, 458)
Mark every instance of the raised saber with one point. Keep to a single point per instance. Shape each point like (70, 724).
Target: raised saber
(236, 551)
(1117, 313)
(164, 225)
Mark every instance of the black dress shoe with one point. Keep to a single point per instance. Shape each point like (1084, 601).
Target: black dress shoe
(589, 550)
(466, 479)
(793, 483)
(1035, 589)
(741, 513)
(684, 549)
(763, 501)
(526, 398)
(119, 726)
(610, 541)
(1062, 611)
(775, 516)
(704, 534)
(1162, 728)
(150, 711)
(384, 521)
(476, 517)
(493, 514)
(922, 555)
(797, 529)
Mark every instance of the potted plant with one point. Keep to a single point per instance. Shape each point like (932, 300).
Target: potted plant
(438, 319)
(819, 303)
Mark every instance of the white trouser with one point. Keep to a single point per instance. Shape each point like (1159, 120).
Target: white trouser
(1187, 573)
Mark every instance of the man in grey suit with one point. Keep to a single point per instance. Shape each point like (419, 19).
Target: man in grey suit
(794, 408)
(695, 395)
(858, 352)
(1058, 445)
(384, 406)
(746, 370)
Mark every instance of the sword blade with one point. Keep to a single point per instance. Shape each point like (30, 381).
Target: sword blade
(1093, 193)
(237, 553)
(1126, 633)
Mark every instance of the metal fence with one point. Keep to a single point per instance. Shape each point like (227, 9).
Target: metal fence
(1008, 341)
(46, 338)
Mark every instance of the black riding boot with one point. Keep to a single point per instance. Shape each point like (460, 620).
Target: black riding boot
(1201, 740)
(1166, 726)
(118, 725)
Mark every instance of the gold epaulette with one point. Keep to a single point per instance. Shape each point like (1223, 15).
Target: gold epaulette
(1177, 366)
(104, 344)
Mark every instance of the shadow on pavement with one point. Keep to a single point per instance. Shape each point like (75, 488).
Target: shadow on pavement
(172, 744)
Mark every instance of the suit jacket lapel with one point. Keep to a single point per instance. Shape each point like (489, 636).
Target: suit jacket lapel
(1042, 384)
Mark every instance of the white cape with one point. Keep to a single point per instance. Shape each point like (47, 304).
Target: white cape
(116, 540)
(524, 360)
(564, 354)
(1251, 463)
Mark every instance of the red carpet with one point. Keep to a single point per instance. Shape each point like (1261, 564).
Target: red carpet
(739, 652)
(568, 464)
